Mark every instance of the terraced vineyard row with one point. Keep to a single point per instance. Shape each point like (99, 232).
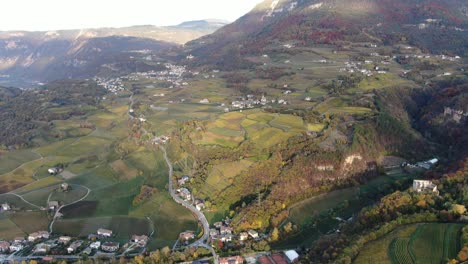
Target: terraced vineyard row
(399, 251)
(430, 243)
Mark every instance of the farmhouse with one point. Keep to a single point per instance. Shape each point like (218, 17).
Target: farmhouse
(74, 246)
(291, 255)
(183, 180)
(424, 186)
(38, 235)
(4, 246)
(218, 224)
(53, 171)
(110, 246)
(232, 260)
(64, 187)
(140, 240)
(253, 233)
(200, 206)
(53, 205)
(187, 235)
(104, 232)
(6, 207)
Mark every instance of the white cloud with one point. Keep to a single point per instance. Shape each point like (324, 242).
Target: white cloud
(66, 14)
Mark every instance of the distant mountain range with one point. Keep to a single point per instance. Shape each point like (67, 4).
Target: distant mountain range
(63, 54)
(438, 26)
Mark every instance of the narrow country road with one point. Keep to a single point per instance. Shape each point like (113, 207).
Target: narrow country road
(201, 242)
(65, 205)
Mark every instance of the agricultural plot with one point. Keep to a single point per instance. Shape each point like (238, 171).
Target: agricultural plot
(303, 212)
(11, 160)
(168, 217)
(222, 175)
(417, 243)
(75, 193)
(399, 251)
(340, 106)
(39, 184)
(380, 250)
(429, 242)
(30, 222)
(9, 230)
(15, 202)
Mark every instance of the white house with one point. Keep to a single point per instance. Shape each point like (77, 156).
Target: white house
(38, 235)
(74, 246)
(65, 239)
(243, 236)
(104, 232)
(6, 207)
(423, 185)
(253, 233)
(95, 245)
(16, 247)
(291, 255)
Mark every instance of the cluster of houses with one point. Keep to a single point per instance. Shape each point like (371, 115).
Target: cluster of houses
(358, 67)
(41, 243)
(185, 193)
(223, 232)
(285, 257)
(113, 85)
(249, 102)
(160, 140)
(173, 74)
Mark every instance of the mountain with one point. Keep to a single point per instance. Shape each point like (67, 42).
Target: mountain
(431, 25)
(46, 56)
(208, 24)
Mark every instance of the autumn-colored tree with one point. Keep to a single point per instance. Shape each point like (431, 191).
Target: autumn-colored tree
(275, 234)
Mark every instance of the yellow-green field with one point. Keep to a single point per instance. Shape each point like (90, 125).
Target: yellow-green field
(262, 128)
(222, 175)
(9, 230)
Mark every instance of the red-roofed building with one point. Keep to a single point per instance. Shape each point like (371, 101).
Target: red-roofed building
(264, 260)
(232, 260)
(279, 258)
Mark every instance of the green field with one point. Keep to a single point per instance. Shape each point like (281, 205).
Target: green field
(263, 129)
(11, 160)
(378, 250)
(31, 222)
(304, 212)
(9, 230)
(417, 243)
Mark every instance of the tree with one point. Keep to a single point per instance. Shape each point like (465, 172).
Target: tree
(275, 234)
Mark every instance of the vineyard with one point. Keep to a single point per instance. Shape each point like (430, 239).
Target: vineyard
(430, 243)
(399, 251)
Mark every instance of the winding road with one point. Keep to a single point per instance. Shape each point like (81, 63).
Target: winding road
(202, 241)
(65, 205)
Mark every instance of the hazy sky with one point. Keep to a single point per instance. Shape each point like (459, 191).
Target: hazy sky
(73, 14)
